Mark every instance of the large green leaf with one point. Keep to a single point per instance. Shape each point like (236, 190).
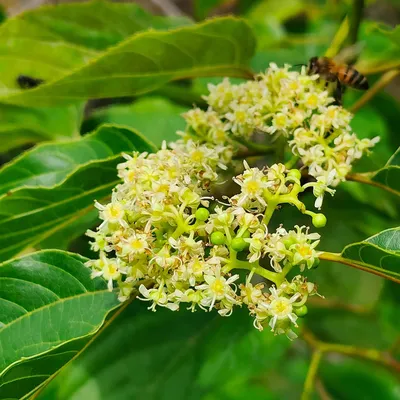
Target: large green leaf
(47, 299)
(28, 215)
(379, 254)
(49, 42)
(146, 61)
(167, 355)
(48, 164)
(94, 24)
(23, 125)
(155, 117)
(65, 37)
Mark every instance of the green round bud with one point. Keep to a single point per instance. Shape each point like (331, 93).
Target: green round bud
(319, 220)
(301, 311)
(316, 263)
(217, 238)
(238, 244)
(295, 173)
(202, 214)
(289, 241)
(246, 234)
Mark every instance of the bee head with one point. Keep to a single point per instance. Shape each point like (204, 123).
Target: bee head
(313, 65)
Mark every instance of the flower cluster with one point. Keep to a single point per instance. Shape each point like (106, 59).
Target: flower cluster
(167, 240)
(162, 235)
(283, 103)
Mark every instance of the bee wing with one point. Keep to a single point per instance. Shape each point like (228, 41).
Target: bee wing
(349, 53)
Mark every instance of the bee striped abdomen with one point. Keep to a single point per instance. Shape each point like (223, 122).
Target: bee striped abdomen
(356, 80)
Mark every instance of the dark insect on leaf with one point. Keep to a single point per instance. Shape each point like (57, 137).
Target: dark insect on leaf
(27, 82)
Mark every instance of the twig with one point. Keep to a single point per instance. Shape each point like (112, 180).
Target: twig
(364, 178)
(336, 257)
(311, 374)
(168, 8)
(384, 80)
(323, 393)
(355, 20)
(383, 358)
(337, 305)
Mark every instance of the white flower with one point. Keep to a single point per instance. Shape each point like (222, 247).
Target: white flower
(217, 288)
(281, 308)
(322, 186)
(157, 296)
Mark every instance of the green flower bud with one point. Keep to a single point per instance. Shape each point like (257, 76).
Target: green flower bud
(289, 241)
(238, 244)
(295, 173)
(246, 234)
(316, 263)
(217, 238)
(301, 311)
(202, 214)
(319, 220)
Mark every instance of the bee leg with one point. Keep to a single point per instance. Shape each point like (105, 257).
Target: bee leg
(338, 94)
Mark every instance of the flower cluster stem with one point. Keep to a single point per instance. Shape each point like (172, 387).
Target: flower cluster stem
(365, 178)
(321, 348)
(311, 375)
(355, 20)
(239, 264)
(335, 257)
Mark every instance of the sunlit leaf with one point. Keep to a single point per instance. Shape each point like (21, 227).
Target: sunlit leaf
(47, 299)
(49, 42)
(146, 61)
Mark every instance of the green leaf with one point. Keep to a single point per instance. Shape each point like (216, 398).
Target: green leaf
(155, 117)
(21, 125)
(167, 355)
(379, 254)
(94, 24)
(29, 215)
(389, 175)
(382, 49)
(59, 39)
(49, 164)
(146, 61)
(47, 299)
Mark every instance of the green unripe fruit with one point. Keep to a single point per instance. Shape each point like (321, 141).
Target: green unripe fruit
(238, 244)
(295, 173)
(217, 238)
(301, 311)
(289, 241)
(319, 220)
(246, 234)
(316, 263)
(202, 214)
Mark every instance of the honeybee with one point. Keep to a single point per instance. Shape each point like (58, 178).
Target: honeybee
(341, 74)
